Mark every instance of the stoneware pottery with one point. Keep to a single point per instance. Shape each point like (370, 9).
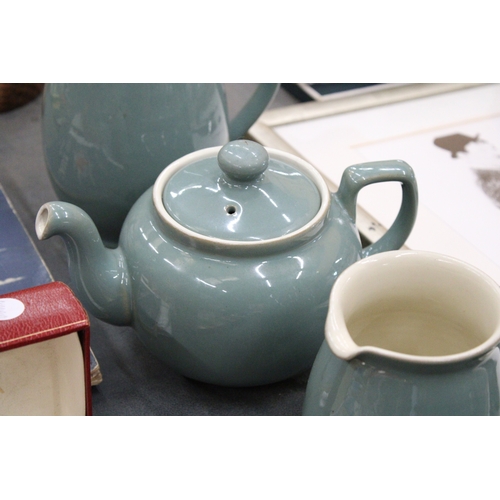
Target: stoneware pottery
(225, 265)
(409, 333)
(105, 144)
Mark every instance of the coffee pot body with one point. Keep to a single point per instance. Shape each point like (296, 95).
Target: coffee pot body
(105, 144)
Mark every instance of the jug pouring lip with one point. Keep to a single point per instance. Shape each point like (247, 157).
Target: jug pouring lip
(338, 336)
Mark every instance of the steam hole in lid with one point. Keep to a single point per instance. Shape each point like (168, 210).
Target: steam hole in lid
(230, 209)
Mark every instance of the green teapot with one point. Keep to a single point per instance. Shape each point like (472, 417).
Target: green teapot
(105, 144)
(224, 267)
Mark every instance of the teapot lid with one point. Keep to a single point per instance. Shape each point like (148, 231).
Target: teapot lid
(242, 193)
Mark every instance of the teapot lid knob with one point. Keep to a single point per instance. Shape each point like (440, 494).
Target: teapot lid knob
(243, 160)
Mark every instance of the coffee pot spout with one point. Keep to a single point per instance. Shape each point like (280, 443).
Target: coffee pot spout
(99, 275)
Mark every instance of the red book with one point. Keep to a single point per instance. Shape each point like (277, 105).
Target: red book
(44, 353)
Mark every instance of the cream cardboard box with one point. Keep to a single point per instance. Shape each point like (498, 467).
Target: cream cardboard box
(44, 353)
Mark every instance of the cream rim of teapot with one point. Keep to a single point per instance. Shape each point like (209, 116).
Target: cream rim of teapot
(308, 229)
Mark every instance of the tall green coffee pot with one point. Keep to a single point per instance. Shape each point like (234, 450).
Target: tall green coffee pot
(105, 144)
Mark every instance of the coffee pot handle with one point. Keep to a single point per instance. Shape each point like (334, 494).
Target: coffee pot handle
(251, 111)
(358, 176)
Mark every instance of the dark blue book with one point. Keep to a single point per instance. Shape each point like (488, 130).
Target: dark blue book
(21, 266)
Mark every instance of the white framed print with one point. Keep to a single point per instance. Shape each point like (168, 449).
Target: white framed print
(448, 133)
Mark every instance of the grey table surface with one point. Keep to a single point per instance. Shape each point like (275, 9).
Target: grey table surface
(134, 381)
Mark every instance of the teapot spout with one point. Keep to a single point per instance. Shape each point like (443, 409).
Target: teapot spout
(99, 275)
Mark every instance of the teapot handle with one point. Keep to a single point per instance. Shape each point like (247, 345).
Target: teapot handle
(251, 111)
(358, 176)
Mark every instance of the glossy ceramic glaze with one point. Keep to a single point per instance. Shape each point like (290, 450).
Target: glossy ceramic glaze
(241, 195)
(409, 333)
(105, 144)
(235, 312)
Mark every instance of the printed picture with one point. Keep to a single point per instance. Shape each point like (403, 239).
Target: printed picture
(458, 173)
